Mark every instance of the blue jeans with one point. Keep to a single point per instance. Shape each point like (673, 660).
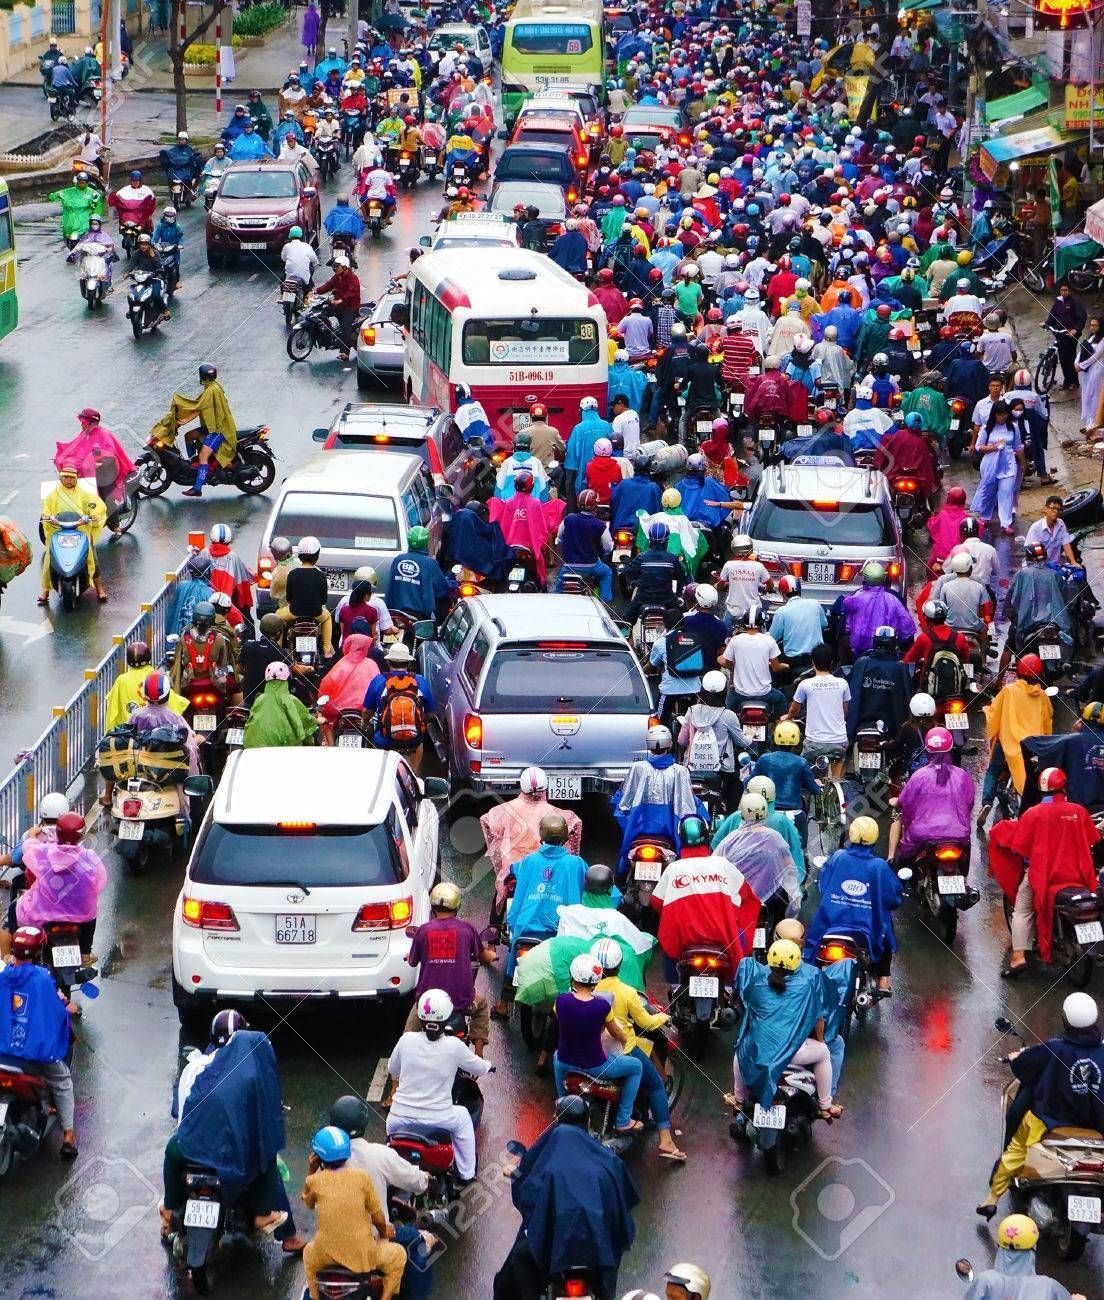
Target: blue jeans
(652, 1082)
(836, 1049)
(623, 1069)
(598, 569)
(993, 773)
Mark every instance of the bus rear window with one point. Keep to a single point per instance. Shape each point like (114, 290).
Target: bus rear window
(552, 38)
(536, 340)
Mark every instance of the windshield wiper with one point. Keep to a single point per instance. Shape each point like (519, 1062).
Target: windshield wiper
(285, 884)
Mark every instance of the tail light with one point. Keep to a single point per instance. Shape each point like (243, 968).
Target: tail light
(623, 537)
(595, 130)
(473, 731)
(684, 140)
(646, 853)
(497, 457)
(756, 716)
(368, 334)
(394, 915)
(469, 589)
(702, 962)
(796, 567)
(1082, 1166)
(572, 196)
(132, 807)
(893, 568)
(204, 700)
(581, 159)
(948, 853)
(202, 914)
(958, 406)
(265, 565)
(955, 706)
(822, 503)
(520, 951)
(847, 572)
(296, 828)
(905, 485)
(833, 952)
(576, 1286)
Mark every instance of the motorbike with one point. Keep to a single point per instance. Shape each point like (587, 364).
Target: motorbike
(1061, 1185)
(27, 1112)
(292, 296)
(650, 628)
(128, 236)
(939, 871)
(343, 244)
(648, 856)
(755, 720)
(911, 506)
(960, 425)
(183, 193)
(1077, 932)
(145, 302)
(1047, 641)
(522, 574)
(252, 470)
(151, 820)
(337, 1283)
(63, 956)
(305, 642)
(170, 260)
(1083, 607)
(839, 945)
(352, 130)
(1007, 260)
(407, 168)
(573, 1282)
(93, 279)
(870, 752)
(210, 189)
(120, 497)
(786, 1125)
(348, 731)
(431, 162)
(316, 329)
(703, 1000)
(207, 1219)
(227, 737)
(62, 101)
(69, 558)
(373, 217)
(624, 539)
(208, 706)
(326, 153)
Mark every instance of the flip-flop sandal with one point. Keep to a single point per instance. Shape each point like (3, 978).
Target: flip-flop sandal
(675, 1157)
(1013, 972)
(634, 1126)
(270, 1228)
(68, 1151)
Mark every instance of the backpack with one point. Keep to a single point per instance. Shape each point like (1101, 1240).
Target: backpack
(946, 676)
(704, 754)
(402, 714)
(685, 654)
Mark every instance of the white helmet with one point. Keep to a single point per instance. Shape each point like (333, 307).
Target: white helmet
(222, 533)
(962, 563)
(308, 548)
(659, 739)
(705, 595)
(434, 1007)
(588, 404)
(922, 705)
(714, 682)
(742, 543)
(753, 808)
(693, 1279)
(366, 574)
(761, 785)
(1079, 1011)
(585, 969)
(533, 782)
(607, 953)
(52, 806)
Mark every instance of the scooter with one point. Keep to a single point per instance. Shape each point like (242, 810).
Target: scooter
(292, 296)
(27, 1113)
(648, 856)
(183, 193)
(62, 102)
(911, 507)
(305, 643)
(522, 575)
(197, 1233)
(784, 1127)
(63, 956)
(871, 744)
(373, 217)
(650, 628)
(145, 302)
(252, 470)
(326, 153)
(338, 1283)
(128, 236)
(315, 329)
(702, 1002)
(69, 558)
(151, 820)
(408, 169)
(842, 945)
(1005, 261)
(120, 496)
(754, 720)
(93, 279)
(431, 162)
(940, 870)
(1077, 939)
(170, 259)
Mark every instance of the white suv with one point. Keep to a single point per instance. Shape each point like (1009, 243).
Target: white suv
(308, 868)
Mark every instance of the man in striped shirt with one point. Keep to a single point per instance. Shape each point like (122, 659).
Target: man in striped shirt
(739, 354)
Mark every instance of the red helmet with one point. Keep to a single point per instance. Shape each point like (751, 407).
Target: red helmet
(524, 481)
(785, 199)
(1052, 780)
(784, 262)
(720, 426)
(156, 687)
(617, 131)
(656, 274)
(883, 310)
(70, 828)
(635, 305)
(956, 496)
(714, 314)
(606, 273)
(1029, 667)
(538, 412)
(588, 499)
(28, 941)
(463, 192)
(824, 416)
(638, 250)
(409, 119)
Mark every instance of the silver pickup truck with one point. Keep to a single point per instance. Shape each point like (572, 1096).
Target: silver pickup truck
(535, 679)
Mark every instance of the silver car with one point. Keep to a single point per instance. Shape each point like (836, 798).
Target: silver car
(380, 346)
(535, 679)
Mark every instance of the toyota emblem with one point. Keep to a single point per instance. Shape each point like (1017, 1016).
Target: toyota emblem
(296, 896)
(824, 550)
(530, 398)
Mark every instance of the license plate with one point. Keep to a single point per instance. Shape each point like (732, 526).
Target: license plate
(517, 575)
(759, 939)
(337, 581)
(647, 872)
(565, 787)
(736, 400)
(924, 326)
(296, 927)
(704, 426)
(956, 424)
(351, 740)
(766, 435)
(870, 762)
(754, 370)
(951, 884)
(1050, 651)
(968, 669)
(704, 986)
(769, 1117)
(957, 721)
(755, 733)
(254, 248)
(235, 735)
(460, 172)
(3, 1113)
(821, 572)
(1083, 1209)
(804, 430)
(1089, 932)
(131, 830)
(65, 955)
(651, 635)
(306, 645)
(521, 420)
(204, 722)
(201, 1214)
(404, 162)
(287, 296)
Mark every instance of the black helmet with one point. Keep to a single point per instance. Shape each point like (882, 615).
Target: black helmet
(204, 614)
(207, 371)
(570, 1109)
(553, 829)
(598, 879)
(885, 638)
(969, 527)
(226, 1024)
(137, 654)
(351, 1114)
(199, 564)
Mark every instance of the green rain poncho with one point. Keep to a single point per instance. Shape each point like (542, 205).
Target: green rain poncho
(277, 718)
(933, 407)
(78, 203)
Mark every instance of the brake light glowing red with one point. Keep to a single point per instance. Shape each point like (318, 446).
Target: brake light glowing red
(473, 731)
(202, 914)
(847, 572)
(832, 952)
(905, 485)
(561, 645)
(132, 807)
(393, 915)
(948, 853)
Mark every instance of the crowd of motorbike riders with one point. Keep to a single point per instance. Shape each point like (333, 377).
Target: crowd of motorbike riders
(773, 267)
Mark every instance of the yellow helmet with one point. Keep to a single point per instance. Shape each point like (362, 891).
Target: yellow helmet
(863, 830)
(1093, 712)
(784, 953)
(671, 499)
(965, 257)
(1018, 1232)
(787, 733)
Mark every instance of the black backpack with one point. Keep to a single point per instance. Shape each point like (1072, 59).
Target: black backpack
(685, 654)
(946, 678)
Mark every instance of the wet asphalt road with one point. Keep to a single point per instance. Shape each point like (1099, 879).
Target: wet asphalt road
(881, 1203)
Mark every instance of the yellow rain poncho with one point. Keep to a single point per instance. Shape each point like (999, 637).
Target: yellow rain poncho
(214, 413)
(81, 501)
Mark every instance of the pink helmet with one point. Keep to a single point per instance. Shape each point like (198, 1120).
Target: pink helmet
(939, 741)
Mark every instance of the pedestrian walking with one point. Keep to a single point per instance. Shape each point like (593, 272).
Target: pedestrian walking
(1067, 316)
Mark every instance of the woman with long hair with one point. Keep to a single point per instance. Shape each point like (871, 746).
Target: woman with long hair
(1002, 465)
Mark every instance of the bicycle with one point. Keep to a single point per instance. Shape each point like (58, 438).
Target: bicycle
(1046, 369)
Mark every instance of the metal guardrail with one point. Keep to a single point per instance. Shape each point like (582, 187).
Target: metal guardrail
(59, 757)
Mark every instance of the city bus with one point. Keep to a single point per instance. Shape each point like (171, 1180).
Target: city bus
(511, 325)
(9, 303)
(549, 46)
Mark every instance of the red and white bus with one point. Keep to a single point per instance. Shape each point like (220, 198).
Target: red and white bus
(511, 325)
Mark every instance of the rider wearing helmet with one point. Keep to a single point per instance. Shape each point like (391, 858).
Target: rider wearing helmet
(1065, 1077)
(868, 911)
(219, 429)
(308, 592)
(1036, 596)
(655, 795)
(687, 1282)
(876, 605)
(798, 626)
(935, 805)
(1020, 709)
(416, 584)
(880, 687)
(126, 692)
(387, 1171)
(654, 576)
(969, 603)
(580, 443)
(743, 578)
(936, 637)
(1013, 1272)
(753, 655)
(584, 542)
(711, 738)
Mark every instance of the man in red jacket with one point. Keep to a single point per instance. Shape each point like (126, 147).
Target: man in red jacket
(612, 301)
(344, 290)
(908, 454)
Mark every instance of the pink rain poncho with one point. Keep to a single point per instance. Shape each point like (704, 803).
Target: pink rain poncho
(348, 679)
(512, 832)
(936, 803)
(943, 527)
(525, 521)
(90, 445)
(68, 881)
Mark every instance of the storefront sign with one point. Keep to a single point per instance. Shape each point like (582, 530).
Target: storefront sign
(804, 11)
(1062, 15)
(1077, 107)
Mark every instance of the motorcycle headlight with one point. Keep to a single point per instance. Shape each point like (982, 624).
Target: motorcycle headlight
(217, 219)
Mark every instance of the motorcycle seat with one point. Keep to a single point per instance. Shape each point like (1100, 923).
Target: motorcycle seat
(579, 1084)
(250, 432)
(1074, 898)
(797, 1076)
(1069, 1132)
(433, 1149)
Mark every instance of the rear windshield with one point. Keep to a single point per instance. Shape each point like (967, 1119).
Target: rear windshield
(330, 856)
(548, 202)
(798, 521)
(259, 185)
(340, 521)
(536, 680)
(534, 164)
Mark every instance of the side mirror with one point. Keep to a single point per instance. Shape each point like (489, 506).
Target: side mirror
(199, 787)
(424, 630)
(321, 701)
(310, 192)
(320, 435)
(435, 787)
(821, 765)
(490, 936)
(905, 873)
(411, 931)
(964, 1269)
(445, 491)
(425, 241)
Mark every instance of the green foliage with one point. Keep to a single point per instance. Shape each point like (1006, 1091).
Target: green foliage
(9, 5)
(259, 20)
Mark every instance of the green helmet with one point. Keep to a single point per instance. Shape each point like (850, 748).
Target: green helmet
(874, 574)
(418, 538)
(693, 832)
(296, 232)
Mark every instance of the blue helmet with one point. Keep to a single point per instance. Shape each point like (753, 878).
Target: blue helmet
(658, 533)
(331, 1145)
(914, 420)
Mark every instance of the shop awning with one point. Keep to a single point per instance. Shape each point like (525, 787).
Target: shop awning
(1017, 105)
(914, 6)
(1075, 250)
(1030, 142)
